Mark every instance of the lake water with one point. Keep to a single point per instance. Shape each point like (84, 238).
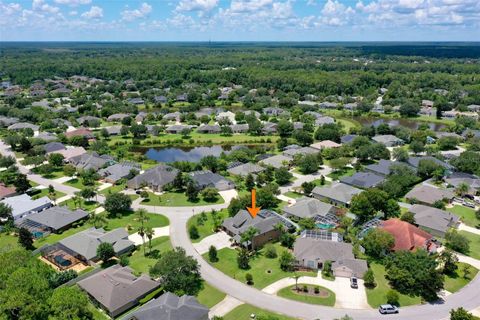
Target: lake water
(194, 154)
(408, 123)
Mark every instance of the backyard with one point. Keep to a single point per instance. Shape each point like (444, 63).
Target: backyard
(176, 199)
(377, 295)
(141, 263)
(264, 270)
(324, 297)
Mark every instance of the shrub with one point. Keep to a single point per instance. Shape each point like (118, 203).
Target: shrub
(392, 297)
(193, 232)
(270, 252)
(369, 279)
(316, 289)
(305, 288)
(212, 254)
(249, 278)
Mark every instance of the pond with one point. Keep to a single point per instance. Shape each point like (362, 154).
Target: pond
(408, 123)
(190, 154)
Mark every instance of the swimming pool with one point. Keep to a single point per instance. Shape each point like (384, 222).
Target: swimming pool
(325, 226)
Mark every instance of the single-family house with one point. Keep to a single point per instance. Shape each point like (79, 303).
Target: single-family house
(54, 219)
(206, 128)
(265, 222)
(81, 132)
(312, 253)
(273, 111)
(388, 140)
(415, 162)
(457, 178)
(269, 128)
(70, 153)
(83, 245)
(204, 179)
(363, 180)
(428, 195)
(347, 138)
(160, 99)
(136, 101)
(300, 151)
(239, 128)
(244, 169)
(324, 120)
(308, 208)
(226, 115)
(114, 130)
(435, 221)
(173, 116)
(53, 147)
(117, 289)
(170, 307)
(338, 194)
(325, 144)
(407, 236)
(383, 167)
(117, 171)
(6, 192)
(23, 205)
(85, 120)
(154, 178)
(177, 128)
(47, 136)
(118, 117)
(277, 161)
(87, 161)
(19, 126)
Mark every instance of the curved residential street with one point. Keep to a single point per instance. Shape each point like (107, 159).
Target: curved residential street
(468, 297)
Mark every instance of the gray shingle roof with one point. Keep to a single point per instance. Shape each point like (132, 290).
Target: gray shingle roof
(357, 266)
(337, 191)
(23, 204)
(53, 146)
(171, 307)
(433, 218)
(415, 162)
(308, 208)
(156, 177)
(57, 217)
(85, 243)
(204, 179)
(363, 180)
(428, 194)
(118, 171)
(117, 287)
(276, 161)
(89, 161)
(383, 167)
(245, 169)
(239, 223)
(321, 250)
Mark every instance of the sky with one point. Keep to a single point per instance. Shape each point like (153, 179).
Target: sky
(240, 20)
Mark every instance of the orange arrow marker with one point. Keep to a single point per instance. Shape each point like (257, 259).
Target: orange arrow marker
(253, 210)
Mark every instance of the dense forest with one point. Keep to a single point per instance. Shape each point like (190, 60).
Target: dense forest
(302, 68)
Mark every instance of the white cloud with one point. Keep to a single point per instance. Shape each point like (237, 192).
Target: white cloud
(142, 12)
(73, 3)
(335, 13)
(196, 5)
(73, 13)
(94, 13)
(40, 5)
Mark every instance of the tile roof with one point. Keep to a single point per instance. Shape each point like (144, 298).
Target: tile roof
(407, 236)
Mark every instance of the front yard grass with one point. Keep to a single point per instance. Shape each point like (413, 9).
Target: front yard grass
(301, 296)
(141, 263)
(474, 244)
(44, 192)
(210, 296)
(77, 183)
(345, 172)
(265, 271)
(86, 205)
(123, 221)
(378, 295)
(204, 223)
(455, 282)
(293, 195)
(466, 214)
(176, 199)
(244, 311)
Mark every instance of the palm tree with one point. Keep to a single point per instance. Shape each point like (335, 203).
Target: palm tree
(77, 200)
(296, 277)
(462, 189)
(142, 218)
(149, 232)
(98, 220)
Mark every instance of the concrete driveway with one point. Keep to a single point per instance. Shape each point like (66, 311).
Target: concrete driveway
(219, 240)
(346, 297)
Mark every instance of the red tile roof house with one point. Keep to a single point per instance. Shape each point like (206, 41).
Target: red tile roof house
(6, 192)
(407, 236)
(80, 132)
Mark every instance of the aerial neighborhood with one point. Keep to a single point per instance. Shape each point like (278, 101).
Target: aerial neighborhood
(125, 194)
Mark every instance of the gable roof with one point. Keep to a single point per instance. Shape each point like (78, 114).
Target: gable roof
(304, 150)
(325, 144)
(245, 168)
(171, 307)
(84, 132)
(415, 162)
(53, 146)
(363, 180)
(85, 243)
(276, 161)
(207, 178)
(118, 171)
(308, 208)
(433, 218)
(263, 222)
(6, 191)
(157, 176)
(337, 191)
(117, 287)
(57, 217)
(23, 204)
(407, 236)
(87, 161)
(383, 166)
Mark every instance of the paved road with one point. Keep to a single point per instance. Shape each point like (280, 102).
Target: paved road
(468, 297)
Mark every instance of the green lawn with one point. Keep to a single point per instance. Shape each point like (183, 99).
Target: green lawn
(141, 263)
(210, 296)
(259, 267)
(89, 205)
(44, 192)
(113, 189)
(377, 295)
(176, 199)
(455, 282)
(466, 214)
(345, 172)
(205, 227)
(294, 195)
(288, 293)
(244, 311)
(97, 313)
(77, 183)
(474, 244)
(8, 241)
(349, 123)
(123, 221)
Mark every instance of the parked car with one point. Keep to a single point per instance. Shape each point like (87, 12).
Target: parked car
(387, 309)
(469, 204)
(354, 283)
